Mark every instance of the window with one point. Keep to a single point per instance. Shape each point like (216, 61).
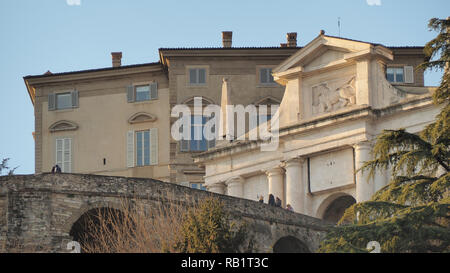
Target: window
(198, 186)
(198, 142)
(395, 74)
(143, 148)
(197, 76)
(64, 154)
(265, 76)
(143, 92)
(61, 101)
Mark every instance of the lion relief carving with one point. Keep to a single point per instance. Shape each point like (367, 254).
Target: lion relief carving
(326, 99)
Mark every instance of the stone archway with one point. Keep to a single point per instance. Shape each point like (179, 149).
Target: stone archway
(95, 221)
(335, 210)
(290, 244)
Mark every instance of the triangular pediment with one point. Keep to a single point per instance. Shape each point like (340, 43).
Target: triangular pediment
(269, 100)
(323, 50)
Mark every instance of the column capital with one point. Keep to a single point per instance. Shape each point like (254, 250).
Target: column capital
(234, 180)
(218, 187)
(277, 170)
(363, 145)
(296, 161)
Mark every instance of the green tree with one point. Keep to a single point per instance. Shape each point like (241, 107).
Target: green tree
(411, 213)
(4, 167)
(208, 229)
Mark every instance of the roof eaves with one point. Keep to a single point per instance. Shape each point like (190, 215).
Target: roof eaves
(47, 75)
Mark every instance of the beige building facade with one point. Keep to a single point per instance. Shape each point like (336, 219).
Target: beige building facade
(117, 120)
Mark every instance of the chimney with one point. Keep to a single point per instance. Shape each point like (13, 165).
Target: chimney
(292, 39)
(227, 38)
(116, 59)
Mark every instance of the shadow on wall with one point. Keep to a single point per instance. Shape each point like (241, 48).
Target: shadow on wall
(336, 209)
(290, 244)
(85, 229)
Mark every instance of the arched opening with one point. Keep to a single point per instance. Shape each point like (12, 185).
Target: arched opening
(336, 209)
(92, 225)
(290, 244)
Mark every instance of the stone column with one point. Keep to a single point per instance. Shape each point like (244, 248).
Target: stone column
(295, 186)
(218, 187)
(364, 185)
(275, 178)
(236, 187)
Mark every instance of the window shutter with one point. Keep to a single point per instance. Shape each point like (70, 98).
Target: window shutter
(130, 93)
(130, 149)
(64, 154)
(409, 74)
(192, 76)
(67, 157)
(263, 73)
(154, 146)
(59, 152)
(202, 76)
(51, 102)
(154, 91)
(75, 99)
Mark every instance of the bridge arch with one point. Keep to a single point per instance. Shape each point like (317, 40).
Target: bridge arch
(290, 244)
(334, 206)
(95, 221)
(77, 213)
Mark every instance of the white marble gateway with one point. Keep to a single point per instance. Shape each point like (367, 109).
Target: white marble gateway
(337, 100)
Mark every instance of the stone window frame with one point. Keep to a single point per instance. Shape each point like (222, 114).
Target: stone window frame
(197, 85)
(190, 103)
(134, 85)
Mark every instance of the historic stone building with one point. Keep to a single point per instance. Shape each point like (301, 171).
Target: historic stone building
(339, 95)
(116, 121)
(334, 97)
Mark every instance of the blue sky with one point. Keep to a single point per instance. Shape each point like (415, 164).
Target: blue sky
(68, 35)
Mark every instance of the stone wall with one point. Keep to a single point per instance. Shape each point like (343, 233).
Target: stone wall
(38, 211)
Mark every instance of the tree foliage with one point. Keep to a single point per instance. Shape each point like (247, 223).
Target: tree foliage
(411, 213)
(4, 167)
(210, 230)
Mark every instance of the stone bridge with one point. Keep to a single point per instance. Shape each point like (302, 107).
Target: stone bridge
(38, 211)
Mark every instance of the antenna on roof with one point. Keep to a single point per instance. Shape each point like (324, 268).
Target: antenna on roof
(339, 26)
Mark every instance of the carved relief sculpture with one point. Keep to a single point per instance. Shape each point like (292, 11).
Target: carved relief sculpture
(326, 99)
